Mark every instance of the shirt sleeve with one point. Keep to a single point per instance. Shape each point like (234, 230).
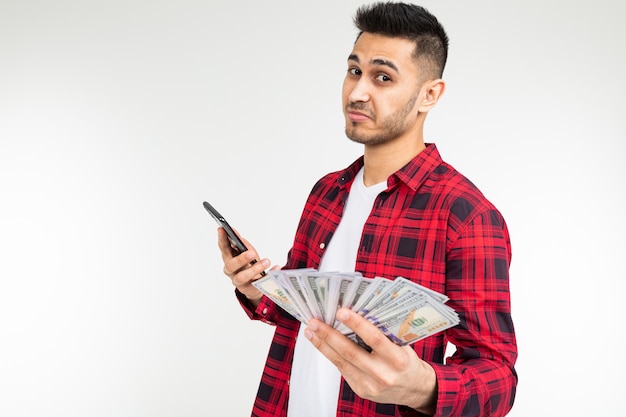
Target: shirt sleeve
(267, 311)
(479, 379)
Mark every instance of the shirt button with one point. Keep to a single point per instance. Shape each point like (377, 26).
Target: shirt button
(265, 311)
(322, 245)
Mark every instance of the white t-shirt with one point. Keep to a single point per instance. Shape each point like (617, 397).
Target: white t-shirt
(314, 384)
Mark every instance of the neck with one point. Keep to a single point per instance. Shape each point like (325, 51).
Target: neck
(380, 161)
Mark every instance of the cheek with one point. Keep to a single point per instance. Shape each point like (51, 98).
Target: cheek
(345, 92)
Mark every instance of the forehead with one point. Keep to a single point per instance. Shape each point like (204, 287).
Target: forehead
(371, 48)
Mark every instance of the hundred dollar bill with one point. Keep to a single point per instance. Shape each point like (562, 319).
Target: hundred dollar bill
(273, 288)
(403, 310)
(401, 307)
(338, 285)
(315, 285)
(356, 290)
(372, 293)
(396, 290)
(291, 281)
(418, 323)
(347, 283)
(368, 292)
(275, 291)
(354, 293)
(400, 288)
(394, 307)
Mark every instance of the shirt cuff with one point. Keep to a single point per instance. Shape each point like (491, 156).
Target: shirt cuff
(448, 388)
(263, 312)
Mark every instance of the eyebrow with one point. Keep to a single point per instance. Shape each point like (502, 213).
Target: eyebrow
(375, 61)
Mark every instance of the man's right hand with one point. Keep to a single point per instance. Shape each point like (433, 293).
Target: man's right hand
(239, 267)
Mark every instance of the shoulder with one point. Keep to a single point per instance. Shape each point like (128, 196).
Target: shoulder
(459, 195)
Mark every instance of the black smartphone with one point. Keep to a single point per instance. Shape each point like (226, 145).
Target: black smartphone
(235, 242)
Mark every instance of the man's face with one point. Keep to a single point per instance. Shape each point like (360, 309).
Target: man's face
(381, 89)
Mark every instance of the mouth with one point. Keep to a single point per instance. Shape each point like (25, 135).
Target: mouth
(357, 116)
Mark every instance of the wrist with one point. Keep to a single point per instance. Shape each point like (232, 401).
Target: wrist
(251, 301)
(425, 400)
(254, 301)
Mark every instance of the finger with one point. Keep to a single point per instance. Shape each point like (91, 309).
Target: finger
(250, 272)
(366, 330)
(227, 247)
(253, 255)
(224, 244)
(341, 351)
(233, 261)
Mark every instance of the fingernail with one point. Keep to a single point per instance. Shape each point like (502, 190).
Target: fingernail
(249, 255)
(266, 263)
(343, 315)
(308, 334)
(313, 326)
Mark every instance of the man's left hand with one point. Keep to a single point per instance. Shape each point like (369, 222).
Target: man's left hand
(388, 374)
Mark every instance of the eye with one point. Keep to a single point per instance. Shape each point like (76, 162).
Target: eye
(354, 71)
(383, 78)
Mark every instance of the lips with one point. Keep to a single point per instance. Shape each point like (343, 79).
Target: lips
(357, 115)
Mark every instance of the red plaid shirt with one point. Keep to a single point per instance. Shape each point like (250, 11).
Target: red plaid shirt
(433, 226)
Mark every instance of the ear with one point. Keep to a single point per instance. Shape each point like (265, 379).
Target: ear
(430, 93)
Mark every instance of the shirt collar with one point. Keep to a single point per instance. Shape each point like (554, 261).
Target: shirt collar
(412, 174)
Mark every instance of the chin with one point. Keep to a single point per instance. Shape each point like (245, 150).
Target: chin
(362, 139)
(353, 136)
(365, 139)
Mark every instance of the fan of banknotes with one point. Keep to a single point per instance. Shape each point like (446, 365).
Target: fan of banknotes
(403, 310)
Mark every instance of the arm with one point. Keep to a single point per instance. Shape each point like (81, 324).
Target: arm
(479, 379)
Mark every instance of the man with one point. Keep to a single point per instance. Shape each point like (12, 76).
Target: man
(399, 210)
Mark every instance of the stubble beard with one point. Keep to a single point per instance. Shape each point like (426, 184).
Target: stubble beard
(392, 126)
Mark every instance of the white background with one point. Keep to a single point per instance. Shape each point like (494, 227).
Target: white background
(118, 118)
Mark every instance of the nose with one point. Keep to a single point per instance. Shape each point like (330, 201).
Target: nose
(358, 91)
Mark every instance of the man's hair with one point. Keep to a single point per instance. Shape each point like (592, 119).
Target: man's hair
(408, 21)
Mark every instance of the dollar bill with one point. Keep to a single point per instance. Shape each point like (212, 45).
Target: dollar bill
(402, 309)
(415, 324)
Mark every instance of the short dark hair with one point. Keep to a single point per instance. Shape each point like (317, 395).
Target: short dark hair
(411, 22)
